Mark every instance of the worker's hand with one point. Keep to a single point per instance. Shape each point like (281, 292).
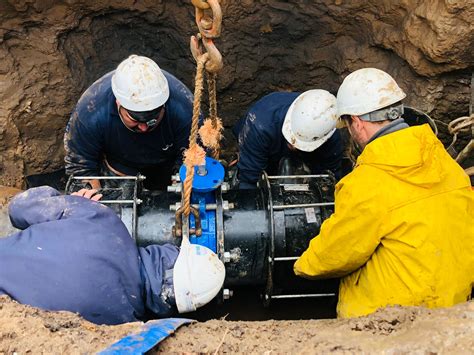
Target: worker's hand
(90, 194)
(95, 184)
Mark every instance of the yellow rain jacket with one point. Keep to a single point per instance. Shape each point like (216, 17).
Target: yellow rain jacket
(403, 228)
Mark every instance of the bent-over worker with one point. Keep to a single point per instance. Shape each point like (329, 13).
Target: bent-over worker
(285, 128)
(135, 119)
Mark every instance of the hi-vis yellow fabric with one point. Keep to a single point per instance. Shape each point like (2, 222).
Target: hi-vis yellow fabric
(403, 228)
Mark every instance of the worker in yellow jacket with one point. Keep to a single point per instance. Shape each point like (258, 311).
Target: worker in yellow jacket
(403, 228)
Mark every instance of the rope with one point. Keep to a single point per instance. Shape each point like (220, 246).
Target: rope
(211, 130)
(461, 125)
(194, 155)
(211, 61)
(216, 121)
(211, 87)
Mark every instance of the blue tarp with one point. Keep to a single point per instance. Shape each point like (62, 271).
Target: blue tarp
(152, 333)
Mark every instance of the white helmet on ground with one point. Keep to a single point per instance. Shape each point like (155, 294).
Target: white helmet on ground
(310, 120)
(198, 275)
(367, 90)
(139, 84)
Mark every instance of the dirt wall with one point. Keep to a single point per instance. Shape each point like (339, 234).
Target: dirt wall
(51, 50)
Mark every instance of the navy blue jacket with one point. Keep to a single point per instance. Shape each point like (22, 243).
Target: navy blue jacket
(95, 131)
(262, 144)
(75, 254)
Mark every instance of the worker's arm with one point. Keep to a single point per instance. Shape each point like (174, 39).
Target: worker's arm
(157, 262)
(44, 204)
(179, 109)
(254, 146)
(181, 141)
(83, 143)
(348, 238)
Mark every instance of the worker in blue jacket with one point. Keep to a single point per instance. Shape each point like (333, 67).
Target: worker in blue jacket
(288, 128)
(75, 254)
(134, 119)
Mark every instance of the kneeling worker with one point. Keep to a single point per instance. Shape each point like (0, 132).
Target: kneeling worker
(75, 254)
(285, 127)
(403, 228)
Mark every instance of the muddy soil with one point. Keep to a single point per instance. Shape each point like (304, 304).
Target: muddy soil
(25, 329)
(392, 330)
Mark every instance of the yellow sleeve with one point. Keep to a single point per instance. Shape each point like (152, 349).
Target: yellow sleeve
(350, 236)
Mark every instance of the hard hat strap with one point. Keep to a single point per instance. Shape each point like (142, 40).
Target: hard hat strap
(390, 113)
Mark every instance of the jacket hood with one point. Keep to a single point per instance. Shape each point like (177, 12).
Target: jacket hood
(413, 155)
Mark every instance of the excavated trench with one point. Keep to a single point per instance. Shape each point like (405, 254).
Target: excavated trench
(51, 51)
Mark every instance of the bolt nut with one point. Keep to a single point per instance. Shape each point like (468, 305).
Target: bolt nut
(226, 205)
(226, 257)
(174, 188)
(175, 207)
(225, 187)
(226, 293)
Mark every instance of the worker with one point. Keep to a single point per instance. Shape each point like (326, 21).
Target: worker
(74, 254)
(284, 130)
(403, 228)
(136, 119)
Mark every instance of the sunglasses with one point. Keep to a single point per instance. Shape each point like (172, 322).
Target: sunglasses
(150, 118)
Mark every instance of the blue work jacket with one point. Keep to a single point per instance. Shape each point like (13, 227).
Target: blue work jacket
(262, 144)
(76, 255)
(95, 131)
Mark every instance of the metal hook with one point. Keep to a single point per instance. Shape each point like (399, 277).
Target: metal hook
(202, 4)
(214, 61)
(177, 229)
(214, 64)
(209, 27)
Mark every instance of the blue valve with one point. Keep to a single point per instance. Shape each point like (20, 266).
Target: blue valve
(206, 180)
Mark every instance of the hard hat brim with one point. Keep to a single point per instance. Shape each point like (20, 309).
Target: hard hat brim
(182, 280)
(198, 276)
(309, 145)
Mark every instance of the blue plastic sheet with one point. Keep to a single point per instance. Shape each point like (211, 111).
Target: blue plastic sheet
(152, 333)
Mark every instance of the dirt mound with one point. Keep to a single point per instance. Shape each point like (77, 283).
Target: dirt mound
(393, 330)
(25, 329)
(397, 330)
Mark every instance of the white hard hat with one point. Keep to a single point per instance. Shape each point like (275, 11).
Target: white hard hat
(367, 90)
(310, 120)
(139, 84)
(198, 276)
